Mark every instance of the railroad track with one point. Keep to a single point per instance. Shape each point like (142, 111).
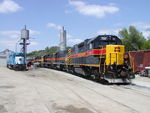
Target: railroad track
(136, 88)
(66, 81)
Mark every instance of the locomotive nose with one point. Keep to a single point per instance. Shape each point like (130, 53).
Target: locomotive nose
(114, 54)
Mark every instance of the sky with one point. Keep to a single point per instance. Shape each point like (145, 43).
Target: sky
(81, 18)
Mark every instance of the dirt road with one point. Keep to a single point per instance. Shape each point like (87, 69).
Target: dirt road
(51, 91)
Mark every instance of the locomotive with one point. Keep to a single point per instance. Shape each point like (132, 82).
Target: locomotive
(16, 61)
(99, 58)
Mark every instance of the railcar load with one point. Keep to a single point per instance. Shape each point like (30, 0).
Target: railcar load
(99, 58)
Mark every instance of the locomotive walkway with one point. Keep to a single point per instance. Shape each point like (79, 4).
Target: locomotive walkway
(51, 91)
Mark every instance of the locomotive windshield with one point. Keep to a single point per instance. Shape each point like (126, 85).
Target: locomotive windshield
(20, 55)
(105, 40)
(19, 60)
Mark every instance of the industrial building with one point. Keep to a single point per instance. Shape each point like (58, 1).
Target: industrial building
(3, 57)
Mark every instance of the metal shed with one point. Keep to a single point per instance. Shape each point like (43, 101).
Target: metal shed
(3, 57)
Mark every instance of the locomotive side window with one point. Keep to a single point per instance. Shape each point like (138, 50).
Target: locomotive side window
(97, 44)
(81, 47)
(104, 43)
(113, 39)
(103, 38)
(90, 46)
(76, 49)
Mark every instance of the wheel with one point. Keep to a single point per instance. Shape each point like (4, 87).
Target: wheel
(95, 76)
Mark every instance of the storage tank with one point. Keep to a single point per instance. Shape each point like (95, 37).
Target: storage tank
(25, 33)
(62, 39)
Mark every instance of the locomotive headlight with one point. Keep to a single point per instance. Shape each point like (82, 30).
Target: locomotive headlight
(111, 67)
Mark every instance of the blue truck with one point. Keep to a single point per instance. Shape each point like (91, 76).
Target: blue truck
(16, 61)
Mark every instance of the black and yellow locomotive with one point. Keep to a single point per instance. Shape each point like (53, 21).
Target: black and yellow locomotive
(100, 58)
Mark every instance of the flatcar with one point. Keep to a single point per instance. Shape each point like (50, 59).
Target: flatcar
(16, 61)
(99, 58)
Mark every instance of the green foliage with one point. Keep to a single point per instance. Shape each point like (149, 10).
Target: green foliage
(48, 50)
(146, 45)
(133, 39)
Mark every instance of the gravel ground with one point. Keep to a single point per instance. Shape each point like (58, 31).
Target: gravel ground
(142, 81)
(50, 91)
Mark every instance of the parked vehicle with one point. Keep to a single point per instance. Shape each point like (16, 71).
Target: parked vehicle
(147, 71)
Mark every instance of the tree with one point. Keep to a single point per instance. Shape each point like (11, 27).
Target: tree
(48, 50)
(146, 45)
(132, 38)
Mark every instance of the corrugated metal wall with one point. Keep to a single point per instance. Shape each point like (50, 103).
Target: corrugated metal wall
(3, 57)
(3, 61)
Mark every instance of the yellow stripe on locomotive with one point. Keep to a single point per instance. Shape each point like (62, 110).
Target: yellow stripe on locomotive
(115, 54)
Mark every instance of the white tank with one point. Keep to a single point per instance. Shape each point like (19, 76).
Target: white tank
(62, 39)
(25, 33)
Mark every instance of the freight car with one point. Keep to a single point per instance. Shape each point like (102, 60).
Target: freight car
(16, 61)
(139, 60)
(99, 58)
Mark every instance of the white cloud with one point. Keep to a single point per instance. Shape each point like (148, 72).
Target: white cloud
(98, 11)
(34, 43)
(141, 25)
(146, 34)
(74, 41)
(34, 32)
(70, 39)
(144, 28)
(53, 25)
(11, 34)
(17, 34)
(108, 32)
(118, 25)
(68, 11)
(8, 44)
(69, 36)
(8, 6)
(13, 44)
